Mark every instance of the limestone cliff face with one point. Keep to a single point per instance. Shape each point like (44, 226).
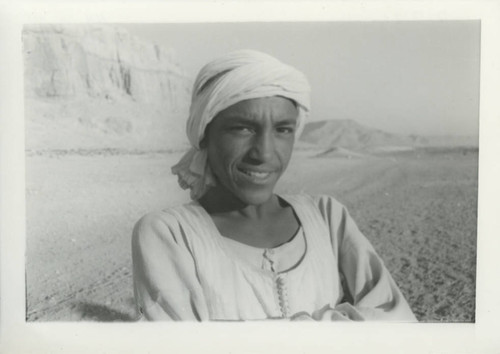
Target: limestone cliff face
(89, 86)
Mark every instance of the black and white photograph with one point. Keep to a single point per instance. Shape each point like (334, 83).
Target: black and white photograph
(379, 121)
(252, 171)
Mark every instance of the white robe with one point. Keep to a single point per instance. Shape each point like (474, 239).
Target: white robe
(185, 270)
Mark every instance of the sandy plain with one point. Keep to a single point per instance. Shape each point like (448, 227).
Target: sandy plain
(418, 208)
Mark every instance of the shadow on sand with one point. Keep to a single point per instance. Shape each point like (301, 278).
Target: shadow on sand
(102, 313)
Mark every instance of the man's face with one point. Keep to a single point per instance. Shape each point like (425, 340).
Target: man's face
(249, 146)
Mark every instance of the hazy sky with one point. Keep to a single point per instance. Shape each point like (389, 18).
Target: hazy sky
(402, 77)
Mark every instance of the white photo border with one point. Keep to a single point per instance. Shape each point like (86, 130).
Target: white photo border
(18, 336)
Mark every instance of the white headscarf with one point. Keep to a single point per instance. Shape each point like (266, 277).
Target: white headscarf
(237, 76)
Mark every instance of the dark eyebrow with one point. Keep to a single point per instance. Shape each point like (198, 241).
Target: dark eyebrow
(287, 121)
(235, 118)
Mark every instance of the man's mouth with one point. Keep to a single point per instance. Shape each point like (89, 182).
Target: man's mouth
(255, 174)
(259, 177)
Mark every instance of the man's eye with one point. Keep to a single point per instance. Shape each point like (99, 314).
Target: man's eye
(285, 130)
(240, 129)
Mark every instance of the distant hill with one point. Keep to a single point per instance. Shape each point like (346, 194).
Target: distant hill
(348, 134)
(340, 152)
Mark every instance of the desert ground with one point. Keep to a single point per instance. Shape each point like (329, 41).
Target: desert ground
(418, 208)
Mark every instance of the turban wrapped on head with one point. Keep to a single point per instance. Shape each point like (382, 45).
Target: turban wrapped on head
(237, 76)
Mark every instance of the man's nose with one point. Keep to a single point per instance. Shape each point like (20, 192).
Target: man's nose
(262, 149)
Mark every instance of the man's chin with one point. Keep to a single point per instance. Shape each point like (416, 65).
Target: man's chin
(255, 197)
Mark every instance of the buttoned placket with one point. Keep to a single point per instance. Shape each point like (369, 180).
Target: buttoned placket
(279, 283)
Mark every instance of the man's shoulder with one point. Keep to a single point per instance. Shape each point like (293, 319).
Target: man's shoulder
(166, 225)
(167, 216)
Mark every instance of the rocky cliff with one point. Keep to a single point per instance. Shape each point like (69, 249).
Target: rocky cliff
(90, 86)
